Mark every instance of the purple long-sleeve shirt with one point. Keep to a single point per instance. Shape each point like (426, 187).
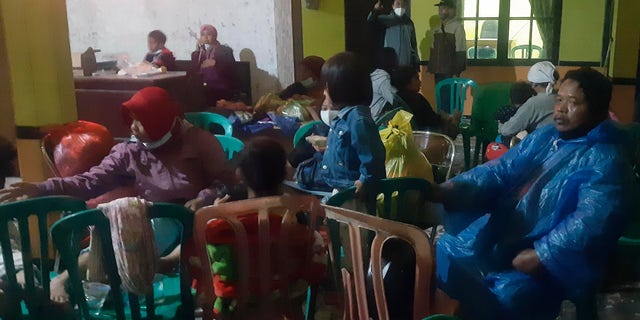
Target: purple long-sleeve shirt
(190, 165)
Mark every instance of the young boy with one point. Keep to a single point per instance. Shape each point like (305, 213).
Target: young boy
(158, 54)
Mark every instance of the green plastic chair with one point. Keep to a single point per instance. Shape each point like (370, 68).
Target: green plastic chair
(20, 212)
(66, 235)
(230, 145)
(204, 120)
(523, 49)
(457, 92)
(488, 99)
(302, 131)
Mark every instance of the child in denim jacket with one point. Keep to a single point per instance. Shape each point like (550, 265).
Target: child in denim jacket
(355, 155)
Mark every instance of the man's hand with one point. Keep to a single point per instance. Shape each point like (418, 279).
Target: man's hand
(378, 6)
(208, 63)
(527, 261)
(194, 204)
(18, 191)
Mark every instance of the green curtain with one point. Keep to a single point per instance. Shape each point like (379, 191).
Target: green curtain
(543, 13)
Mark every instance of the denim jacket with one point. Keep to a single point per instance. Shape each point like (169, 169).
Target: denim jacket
(354, 150)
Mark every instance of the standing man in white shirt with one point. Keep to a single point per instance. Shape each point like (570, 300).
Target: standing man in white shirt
(449, 51)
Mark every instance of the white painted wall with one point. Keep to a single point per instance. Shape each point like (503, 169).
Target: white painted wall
(121, 26)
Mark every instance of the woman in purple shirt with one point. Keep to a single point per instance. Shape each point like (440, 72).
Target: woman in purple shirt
(170, 161)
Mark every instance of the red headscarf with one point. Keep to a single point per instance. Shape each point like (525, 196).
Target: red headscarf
(154, 108)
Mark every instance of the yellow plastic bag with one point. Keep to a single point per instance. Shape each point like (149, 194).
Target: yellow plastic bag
(403, 157)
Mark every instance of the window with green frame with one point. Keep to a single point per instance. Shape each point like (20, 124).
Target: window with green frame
(511, 32)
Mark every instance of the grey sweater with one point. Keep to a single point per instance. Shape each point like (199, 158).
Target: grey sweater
(534, 113)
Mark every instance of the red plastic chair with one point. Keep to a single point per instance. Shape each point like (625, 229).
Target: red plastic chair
(263, 305)
(356, 304)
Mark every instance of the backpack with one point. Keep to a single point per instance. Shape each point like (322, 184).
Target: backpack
(308, 174)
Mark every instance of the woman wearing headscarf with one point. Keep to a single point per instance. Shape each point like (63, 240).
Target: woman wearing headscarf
(309, 83)
(537, 225)
(537, 111)
(168, 160)
(213, 63)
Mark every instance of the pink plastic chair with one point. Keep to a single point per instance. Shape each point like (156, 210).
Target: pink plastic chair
(263, 304)
(354, 284)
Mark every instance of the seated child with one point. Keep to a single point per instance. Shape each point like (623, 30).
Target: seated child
(262, 170)
(159, 55)
(355, 154)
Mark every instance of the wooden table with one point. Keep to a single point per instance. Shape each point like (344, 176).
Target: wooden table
(99, 98)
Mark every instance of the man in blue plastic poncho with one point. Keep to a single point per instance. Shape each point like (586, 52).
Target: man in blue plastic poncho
(536, 226)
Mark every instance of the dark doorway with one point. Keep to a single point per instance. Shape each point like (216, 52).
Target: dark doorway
(636, 115)
(362, 37)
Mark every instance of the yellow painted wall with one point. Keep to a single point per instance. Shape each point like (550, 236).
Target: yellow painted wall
(323, 29)
(425, 18)
(626, 32)
(36, 38)
(7, 125)
(582, 29)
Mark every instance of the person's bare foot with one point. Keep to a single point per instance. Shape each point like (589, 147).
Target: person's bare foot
(58, 288)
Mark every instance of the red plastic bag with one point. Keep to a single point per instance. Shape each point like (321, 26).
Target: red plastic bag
(79, 146)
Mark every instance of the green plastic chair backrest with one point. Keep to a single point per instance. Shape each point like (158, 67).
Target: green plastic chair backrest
(230, 145)
(204, 120)
(485, 52)
(488, 99)
(302, 131)
(384, 119)
(523, 49)
(20, 211)
(69, 231)
(457, 93)
(403, 201)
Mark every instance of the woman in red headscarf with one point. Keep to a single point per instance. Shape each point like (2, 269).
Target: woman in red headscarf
(168, 160)
(213, 63)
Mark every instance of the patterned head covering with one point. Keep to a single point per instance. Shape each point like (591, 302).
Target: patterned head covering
(210, 28)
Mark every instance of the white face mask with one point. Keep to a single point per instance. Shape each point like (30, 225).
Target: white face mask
(160, 142)
(400, 11)
(308, 82)
(207, 46)
(327, 116)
